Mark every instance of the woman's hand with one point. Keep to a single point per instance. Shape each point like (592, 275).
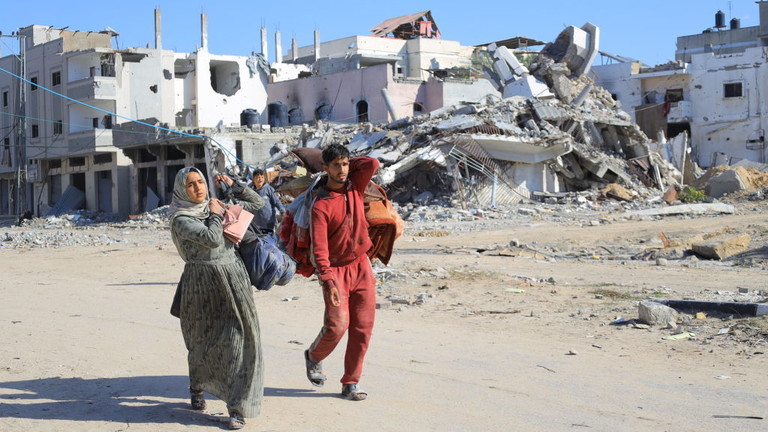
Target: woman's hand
(217, 207)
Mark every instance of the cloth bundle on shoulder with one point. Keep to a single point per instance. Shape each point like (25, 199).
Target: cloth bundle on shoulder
(294, 229)
(265, 263)
(384, 223)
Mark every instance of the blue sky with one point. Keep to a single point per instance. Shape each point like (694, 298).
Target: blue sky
(645, 30)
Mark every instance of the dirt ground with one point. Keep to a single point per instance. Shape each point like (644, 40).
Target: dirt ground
(479, 335)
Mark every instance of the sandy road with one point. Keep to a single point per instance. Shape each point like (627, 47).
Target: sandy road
(87, 344)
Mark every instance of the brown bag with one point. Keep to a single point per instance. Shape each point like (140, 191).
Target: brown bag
(236, 222)
(384, 224)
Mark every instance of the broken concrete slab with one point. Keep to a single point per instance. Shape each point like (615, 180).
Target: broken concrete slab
(729, 181)
(576, 47)
(502, 53)
(723, 248)
(527, 86)
(738, 308)
(687, 209)
(458, 123)
(657, 314)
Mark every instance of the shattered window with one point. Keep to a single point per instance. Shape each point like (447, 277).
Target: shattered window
(732, 90)
(674, 95)
(108, 65)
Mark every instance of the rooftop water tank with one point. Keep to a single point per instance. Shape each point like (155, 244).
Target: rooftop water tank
(719, 19)
(249, 117)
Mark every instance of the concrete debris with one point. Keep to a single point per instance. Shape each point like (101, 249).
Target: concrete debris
(688, 209)
(553, 131)
(657, 314)
(729, 308)
(722, 248)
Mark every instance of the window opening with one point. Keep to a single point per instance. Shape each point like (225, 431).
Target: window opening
(732, 90)
(362, 111)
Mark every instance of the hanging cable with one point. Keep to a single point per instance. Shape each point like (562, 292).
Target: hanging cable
(221, 147)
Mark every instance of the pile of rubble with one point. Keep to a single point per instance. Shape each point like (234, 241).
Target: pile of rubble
(47, 238)
(554, 131)
(78, 228)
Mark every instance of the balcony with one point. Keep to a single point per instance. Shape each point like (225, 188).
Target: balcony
(680, 112)
(93, 88)
(80, 143)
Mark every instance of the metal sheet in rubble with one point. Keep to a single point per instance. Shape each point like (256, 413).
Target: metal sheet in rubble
(72, 198)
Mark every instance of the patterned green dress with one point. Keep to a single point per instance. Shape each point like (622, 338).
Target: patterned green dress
(218, 315)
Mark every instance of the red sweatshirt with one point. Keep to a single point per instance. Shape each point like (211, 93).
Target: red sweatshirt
(339, 229)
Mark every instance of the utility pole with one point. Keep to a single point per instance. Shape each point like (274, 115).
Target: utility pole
(20, 150)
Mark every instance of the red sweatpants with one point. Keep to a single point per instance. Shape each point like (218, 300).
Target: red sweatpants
(357, 294)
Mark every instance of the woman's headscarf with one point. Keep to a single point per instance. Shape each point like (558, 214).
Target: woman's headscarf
(181, 204)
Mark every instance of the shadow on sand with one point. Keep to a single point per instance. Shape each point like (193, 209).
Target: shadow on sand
(146, 399)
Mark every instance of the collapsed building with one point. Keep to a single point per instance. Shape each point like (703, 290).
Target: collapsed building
(478, 126)
(548, 129)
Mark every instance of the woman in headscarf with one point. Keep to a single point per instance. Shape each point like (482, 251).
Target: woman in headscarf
(218, 315)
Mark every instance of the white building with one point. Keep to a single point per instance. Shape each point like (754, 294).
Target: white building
(403, 69)
(715, 90)
(76, 153)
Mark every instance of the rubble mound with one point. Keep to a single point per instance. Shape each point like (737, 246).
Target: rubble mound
(737, 182)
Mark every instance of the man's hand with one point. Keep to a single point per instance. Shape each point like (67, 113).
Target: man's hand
(331, 293)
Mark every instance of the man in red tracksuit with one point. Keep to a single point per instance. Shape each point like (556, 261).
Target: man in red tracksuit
(339, 244)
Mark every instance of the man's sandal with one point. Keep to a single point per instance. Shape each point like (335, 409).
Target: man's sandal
(197, 399)
(353, 392)
(314, 371)
(236, 420)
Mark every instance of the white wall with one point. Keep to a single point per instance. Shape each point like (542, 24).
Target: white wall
(723, 124)
(617, 79)
(214, 108)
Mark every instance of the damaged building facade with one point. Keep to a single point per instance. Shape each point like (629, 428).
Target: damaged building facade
(714, 91)
(547, 129)
(403, 68)
(80, 148)
(488, 124)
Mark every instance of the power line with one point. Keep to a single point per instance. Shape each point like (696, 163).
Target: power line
(127, 118)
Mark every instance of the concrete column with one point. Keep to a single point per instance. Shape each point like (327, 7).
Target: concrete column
(317, 45)
(264, 42)
(204, 32)
(278, 48)
(763, 20)
(294, 49)
(91, 197)
(390, 105)
(158, 30)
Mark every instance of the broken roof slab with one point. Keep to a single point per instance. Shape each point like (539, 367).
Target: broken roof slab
(516, 148)
(527, 86)
(392, 25)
